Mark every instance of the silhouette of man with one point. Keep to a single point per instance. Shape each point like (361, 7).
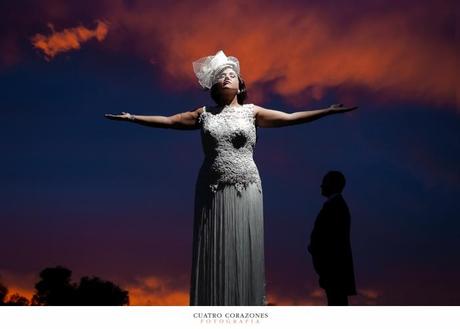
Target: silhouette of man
(330, 245)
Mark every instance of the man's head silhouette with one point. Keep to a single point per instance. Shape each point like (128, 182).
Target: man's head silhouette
(333, 182)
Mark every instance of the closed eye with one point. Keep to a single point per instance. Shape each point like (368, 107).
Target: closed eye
(223, 76)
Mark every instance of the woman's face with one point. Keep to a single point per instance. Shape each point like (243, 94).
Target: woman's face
(227, 79)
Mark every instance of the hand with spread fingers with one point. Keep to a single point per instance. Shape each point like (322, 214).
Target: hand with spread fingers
(339, 108)
(122, 117)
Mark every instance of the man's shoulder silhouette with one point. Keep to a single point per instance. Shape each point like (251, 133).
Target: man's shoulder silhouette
(337, 201)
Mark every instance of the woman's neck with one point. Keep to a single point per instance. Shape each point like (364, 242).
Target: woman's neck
(230, 102)
(219, 107)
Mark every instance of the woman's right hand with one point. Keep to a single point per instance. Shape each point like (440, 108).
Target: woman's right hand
(123, 116)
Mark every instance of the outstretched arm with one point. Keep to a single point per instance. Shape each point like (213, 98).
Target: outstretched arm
(181, 121)
(266, 118)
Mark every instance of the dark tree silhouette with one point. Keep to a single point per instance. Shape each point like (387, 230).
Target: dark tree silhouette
(17, 300)
(94, 291)
(55, 288)
(3, 293)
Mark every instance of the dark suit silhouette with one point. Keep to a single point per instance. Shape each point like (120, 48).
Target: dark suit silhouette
(330, 248)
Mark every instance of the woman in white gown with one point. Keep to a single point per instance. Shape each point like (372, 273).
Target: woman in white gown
(228, 266)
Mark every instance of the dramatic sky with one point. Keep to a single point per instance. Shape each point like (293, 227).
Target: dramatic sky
(115, 199)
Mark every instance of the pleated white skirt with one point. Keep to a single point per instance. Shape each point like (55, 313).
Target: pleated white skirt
(228, 266)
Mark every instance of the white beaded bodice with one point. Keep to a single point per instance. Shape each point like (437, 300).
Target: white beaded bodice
(228, 140)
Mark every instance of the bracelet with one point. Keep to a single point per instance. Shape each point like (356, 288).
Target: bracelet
(131, 117)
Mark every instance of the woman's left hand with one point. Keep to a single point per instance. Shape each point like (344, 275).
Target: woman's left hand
(339, 108)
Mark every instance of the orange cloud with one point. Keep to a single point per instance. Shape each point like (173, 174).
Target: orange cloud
(68, 39)
(155, 291)
(297, 51)
(18, 283)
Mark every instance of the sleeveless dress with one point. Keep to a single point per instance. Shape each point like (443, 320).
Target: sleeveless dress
(228, 266)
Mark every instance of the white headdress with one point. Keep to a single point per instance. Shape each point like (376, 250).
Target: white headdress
(205, 68)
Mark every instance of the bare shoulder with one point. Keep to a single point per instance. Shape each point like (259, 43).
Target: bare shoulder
(193, 113)
(257, 109)
(197, 111)
(187, 119)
